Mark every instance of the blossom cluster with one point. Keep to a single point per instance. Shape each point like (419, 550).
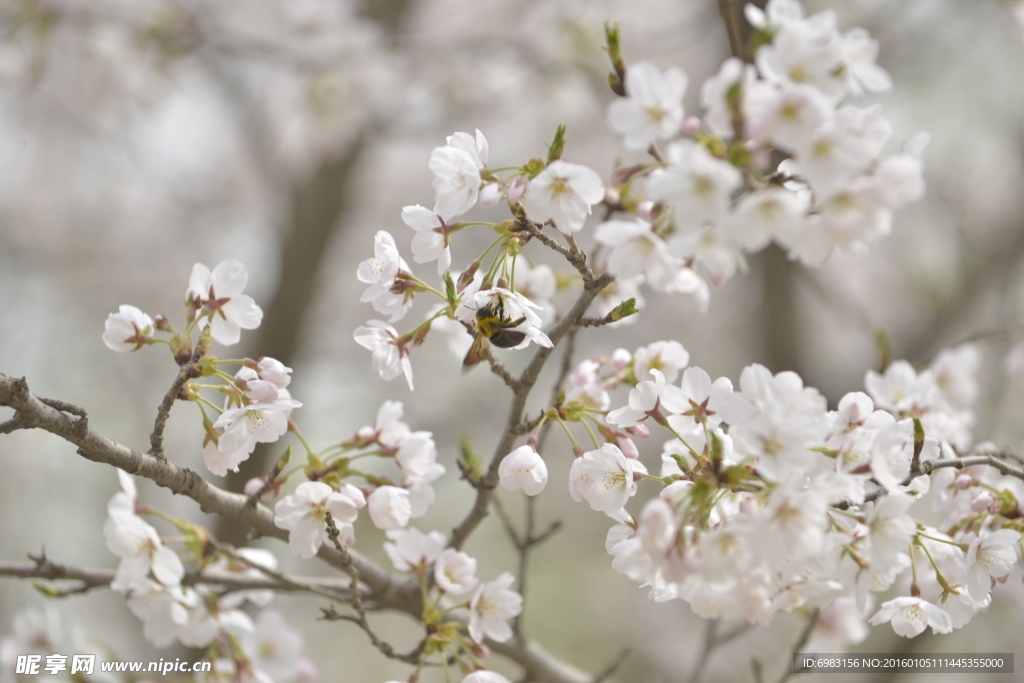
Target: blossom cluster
(781, 153)
(257, 404)
(771, 502)
(150, 577)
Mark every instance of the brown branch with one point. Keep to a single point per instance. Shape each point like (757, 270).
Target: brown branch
(32, 413)
(804, 636)
(525, 384)
(43, 568)
(357, 602)
(163, 413)
(387, 591)
(929, 466)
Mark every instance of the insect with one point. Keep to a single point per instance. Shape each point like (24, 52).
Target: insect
(493, 324)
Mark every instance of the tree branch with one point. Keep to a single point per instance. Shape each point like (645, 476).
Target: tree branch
(43, 568)
(522, 391)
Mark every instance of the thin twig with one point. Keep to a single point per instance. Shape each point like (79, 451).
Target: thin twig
(787, 672)
(357, 602)
(611, 668)
(156, 438)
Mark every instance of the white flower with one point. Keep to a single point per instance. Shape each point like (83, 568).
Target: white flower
(411, 548)
(220, 462)
(389, 507)
(210, 619)
(538, 284)
(127, 330)
(956, 373)
(695, 184)
(717, 90)
(636, 250)
(304, 514)
(245, 566)
(36, 631)
(275, 371)
(764, 214)
(255, 389)
(164, 610)
(859, 51)
(456, 170)
(389, 359)
(911, 616)
(792, 118)
(805, 52)
(703, 399)
(140, 549)
(380, 271)
(644, 399)
(523, 468)
(669, 357)
(563, 193)
(455, 572)
(218, 295)
(257, 422)
(416, 454)
(515, 307)
(274, 647)
(485, 677)
(653, 108)
(891, 529)
(991, 557)
(491, 608)
(605, 478)
(431, 240)
(892, 453)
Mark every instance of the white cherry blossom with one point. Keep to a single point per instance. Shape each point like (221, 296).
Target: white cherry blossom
(563, 193)
(492, 606)
(217, 295)
(389, 507)
(411, 548)
(127, 330)
(456, 170)
(431, 241)
(696, 184)
(304, 514)
(379, 272)
(455, 572)
(389, 359)
(653, 107)
(523, 468)
(911, 616)
(990, 557)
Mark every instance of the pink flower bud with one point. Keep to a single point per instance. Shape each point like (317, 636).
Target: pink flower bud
(761, 158)
(516, 190)
(964, 481)
(645, 210)
(983, 501)
(254, 485)
(621, 358)
(490, 195)
(640, 430)
(612, 196)
(627, 447)
(691, 126)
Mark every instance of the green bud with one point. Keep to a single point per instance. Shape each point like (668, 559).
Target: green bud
(623, 310)
(47, 589)
(449, 287)
(557, 145)
(470, 457)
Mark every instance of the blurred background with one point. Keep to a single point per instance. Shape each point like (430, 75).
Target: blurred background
(138, 137)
